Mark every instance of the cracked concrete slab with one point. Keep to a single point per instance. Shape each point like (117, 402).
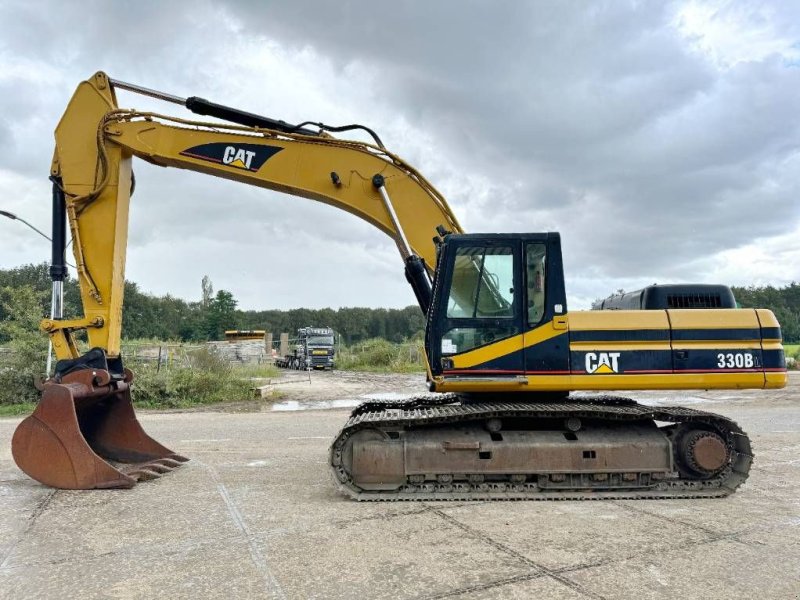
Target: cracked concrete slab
(550, 537)
(255, 514)
(719, 570)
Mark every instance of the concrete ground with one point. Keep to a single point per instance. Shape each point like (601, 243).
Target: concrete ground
(255, 515)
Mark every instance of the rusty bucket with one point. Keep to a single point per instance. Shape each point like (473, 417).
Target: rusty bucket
(84, 435)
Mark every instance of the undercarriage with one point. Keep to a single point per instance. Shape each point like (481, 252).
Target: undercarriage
(444, 447)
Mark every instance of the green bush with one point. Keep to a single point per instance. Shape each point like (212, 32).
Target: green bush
(28, 346)
(202, 379)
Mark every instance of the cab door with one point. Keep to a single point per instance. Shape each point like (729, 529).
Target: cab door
(545, 321)
(477, 325)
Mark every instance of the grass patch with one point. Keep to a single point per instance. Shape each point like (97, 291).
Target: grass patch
(380, 356)
(256, 371)
(14, 410)
(791, 349)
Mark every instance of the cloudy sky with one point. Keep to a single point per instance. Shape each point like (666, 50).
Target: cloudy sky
(661, 139)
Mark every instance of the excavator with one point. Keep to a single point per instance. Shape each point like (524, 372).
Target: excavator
(519, 403)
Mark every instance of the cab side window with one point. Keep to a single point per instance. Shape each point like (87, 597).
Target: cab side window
(535, 275)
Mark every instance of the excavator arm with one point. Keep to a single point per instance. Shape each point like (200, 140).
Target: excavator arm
(95, 141)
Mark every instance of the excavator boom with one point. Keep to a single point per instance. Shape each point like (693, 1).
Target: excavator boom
(95, 142)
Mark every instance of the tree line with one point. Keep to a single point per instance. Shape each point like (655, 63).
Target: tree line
(784, 302)
(169, 318)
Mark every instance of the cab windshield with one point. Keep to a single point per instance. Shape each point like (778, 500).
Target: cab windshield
(320, 340)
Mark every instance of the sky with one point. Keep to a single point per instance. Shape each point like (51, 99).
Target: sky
(661, 139)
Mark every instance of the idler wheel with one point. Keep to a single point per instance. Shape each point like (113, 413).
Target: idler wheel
(703, 453)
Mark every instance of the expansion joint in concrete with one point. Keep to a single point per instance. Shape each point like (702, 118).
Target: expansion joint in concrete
(37, 512)
(538, 569)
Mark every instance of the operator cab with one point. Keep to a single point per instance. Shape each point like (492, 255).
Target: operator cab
(491, 292)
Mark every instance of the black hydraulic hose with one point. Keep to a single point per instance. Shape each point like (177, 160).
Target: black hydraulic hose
(346, 128)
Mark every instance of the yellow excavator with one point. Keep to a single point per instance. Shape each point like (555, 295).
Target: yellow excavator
(503, 352)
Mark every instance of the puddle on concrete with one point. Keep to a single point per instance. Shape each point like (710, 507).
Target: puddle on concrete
(292, 405)
(673, 401)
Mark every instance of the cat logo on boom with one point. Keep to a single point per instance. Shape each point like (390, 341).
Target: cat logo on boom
(602, 362)
(248, 157)
(238, 157)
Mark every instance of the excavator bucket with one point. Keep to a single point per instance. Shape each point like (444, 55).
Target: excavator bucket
(84, 435)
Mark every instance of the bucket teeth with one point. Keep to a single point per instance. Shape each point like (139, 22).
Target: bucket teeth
(144, 474)
(158, 468)
(169, 463)
(177, 457)
(153, 469)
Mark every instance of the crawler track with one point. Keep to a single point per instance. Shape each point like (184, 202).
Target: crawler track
(448, 409)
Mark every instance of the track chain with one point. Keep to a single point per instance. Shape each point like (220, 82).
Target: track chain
(432, 409)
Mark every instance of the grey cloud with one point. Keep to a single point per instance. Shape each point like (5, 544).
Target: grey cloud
(568, 102)
(60, 33)
(597, 120)
(6, 142)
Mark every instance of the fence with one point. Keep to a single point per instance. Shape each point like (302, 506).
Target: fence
(166, 354)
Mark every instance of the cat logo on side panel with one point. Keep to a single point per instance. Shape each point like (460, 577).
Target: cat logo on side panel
(602, 362)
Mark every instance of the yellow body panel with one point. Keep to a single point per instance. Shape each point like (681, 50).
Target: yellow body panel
(506, 346)
(599, 320)
(777, 380)
(713, 319)
(767, 318)
(614, 346)
(721, 345)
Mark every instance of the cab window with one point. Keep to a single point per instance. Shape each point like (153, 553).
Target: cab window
(482, 285)
(535, 275)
